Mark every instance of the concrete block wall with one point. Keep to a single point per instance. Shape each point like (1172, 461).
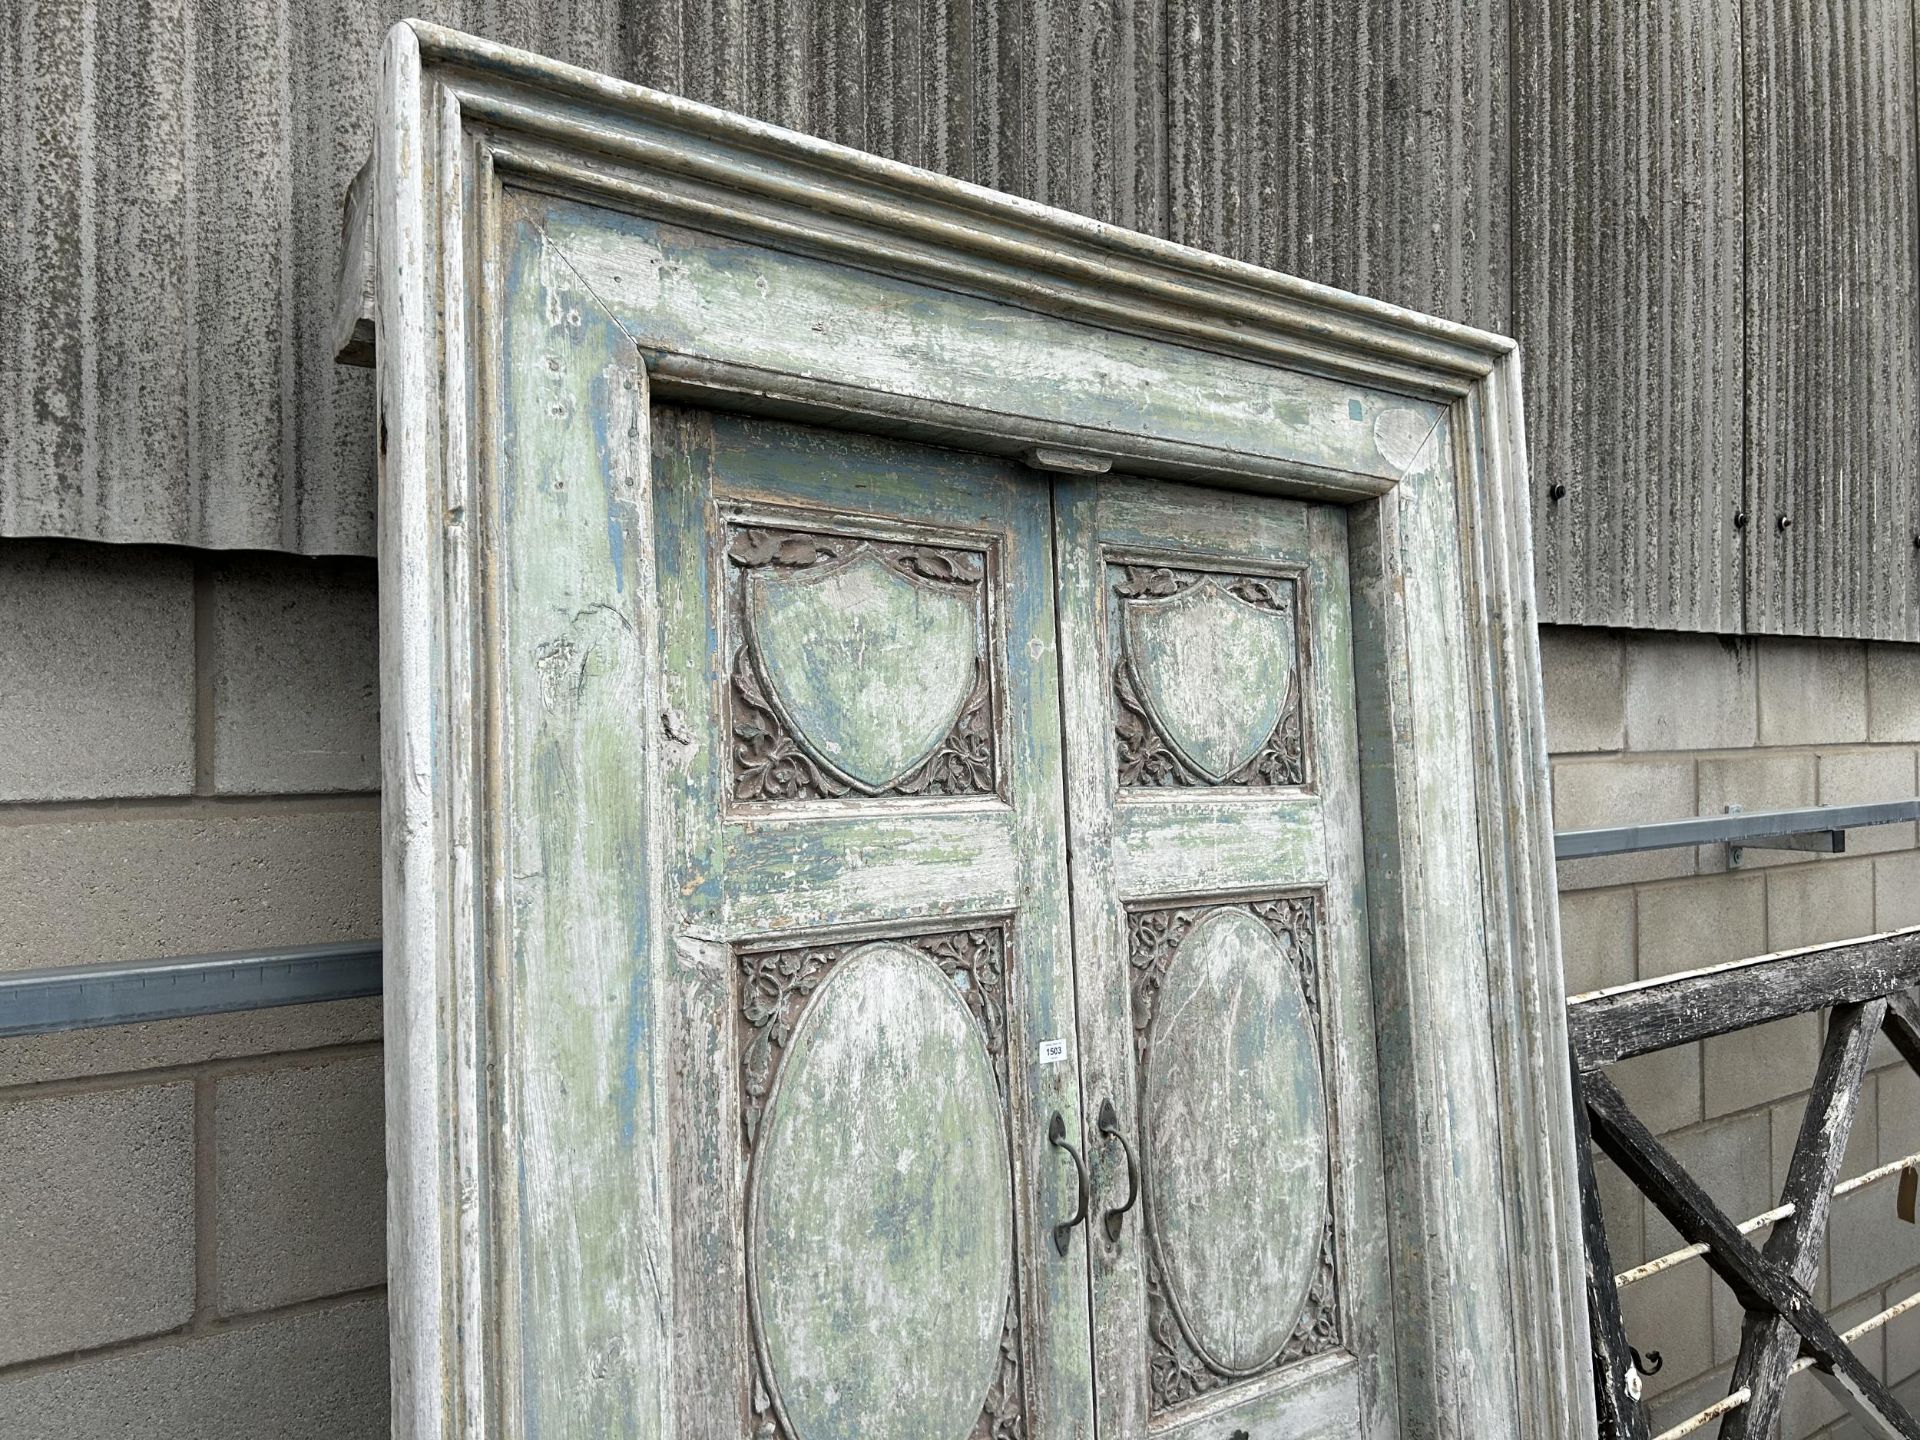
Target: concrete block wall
(191, 1212)
(1649, 727)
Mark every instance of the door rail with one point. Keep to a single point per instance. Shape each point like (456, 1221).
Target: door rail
(1868, 985)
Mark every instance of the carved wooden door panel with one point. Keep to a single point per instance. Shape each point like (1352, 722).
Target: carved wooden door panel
(1219, 917)
(873, 1019)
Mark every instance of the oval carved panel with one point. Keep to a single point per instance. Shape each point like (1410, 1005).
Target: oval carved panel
(880, 1223)
(1235, 1133)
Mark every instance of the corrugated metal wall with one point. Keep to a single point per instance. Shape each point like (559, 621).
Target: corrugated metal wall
(1628, 244)
(1831, 342)
(1698, 217)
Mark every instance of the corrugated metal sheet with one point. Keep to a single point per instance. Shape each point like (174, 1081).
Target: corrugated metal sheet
(1831, 326)
(1628, 293)
(173, 172)
(1359, 145)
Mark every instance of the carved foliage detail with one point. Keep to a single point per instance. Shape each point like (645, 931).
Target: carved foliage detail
(1177, 1370)
(771, 760)
(774, 989)
(1147, 758)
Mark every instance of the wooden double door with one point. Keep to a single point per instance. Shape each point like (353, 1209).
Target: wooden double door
(1020, 1025)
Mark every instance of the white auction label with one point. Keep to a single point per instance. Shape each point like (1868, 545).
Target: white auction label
(1052, 1052)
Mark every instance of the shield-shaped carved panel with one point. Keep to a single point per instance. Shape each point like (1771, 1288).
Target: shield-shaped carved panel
(861, 666)
(1207, 677)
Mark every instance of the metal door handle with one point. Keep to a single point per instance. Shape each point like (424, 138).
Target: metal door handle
(1110, 1130)
(1057, 1137)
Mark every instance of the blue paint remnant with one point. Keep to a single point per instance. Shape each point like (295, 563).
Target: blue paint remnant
(628, 1101)
(616, 536)
(1355, 410)
(617, 552)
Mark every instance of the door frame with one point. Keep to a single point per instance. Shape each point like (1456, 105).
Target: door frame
(912, 304)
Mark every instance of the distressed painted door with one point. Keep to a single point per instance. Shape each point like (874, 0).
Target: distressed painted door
(1219, 917)
(872, 1009)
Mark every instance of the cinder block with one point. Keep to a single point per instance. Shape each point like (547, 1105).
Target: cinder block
(1663, 1088)
(1672, 1313)
(1896, 891)
(1581, 672)
(1753, 1067)
(1812, 692)
(1690, 692)
(299, 1183)
(1759, 781)
(1815, 904)
(1690, 924)
(1731, 1160)
(1624, 1211)
(1683, 1401)
(1862, 777)
(96, 671)
(314, 1375)
(96, 1215)
(127, 884)
(1903, 1344)
(295, 676)
(1899, 1116)
(1591, 793)
(1893, 692)
(1868, 1243)
(1739, 1181)
(121, 1049)
(1596, 939)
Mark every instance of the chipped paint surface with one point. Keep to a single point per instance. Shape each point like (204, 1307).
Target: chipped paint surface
(1219, 1262)
(881, 1228)
(872, 668)
(875, 1315)
(704, 295)
(585, 1102)
(1217, 671)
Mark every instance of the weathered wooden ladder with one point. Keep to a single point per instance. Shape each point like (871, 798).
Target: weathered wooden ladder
(1867, 984)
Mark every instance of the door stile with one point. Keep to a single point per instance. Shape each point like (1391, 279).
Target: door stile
(1099, 955)
(1361, 1183)
(1087, 853)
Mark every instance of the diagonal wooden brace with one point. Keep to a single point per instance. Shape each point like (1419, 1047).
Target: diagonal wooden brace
(1769, 1344)
(1759, 1283)
(1621, 1416)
